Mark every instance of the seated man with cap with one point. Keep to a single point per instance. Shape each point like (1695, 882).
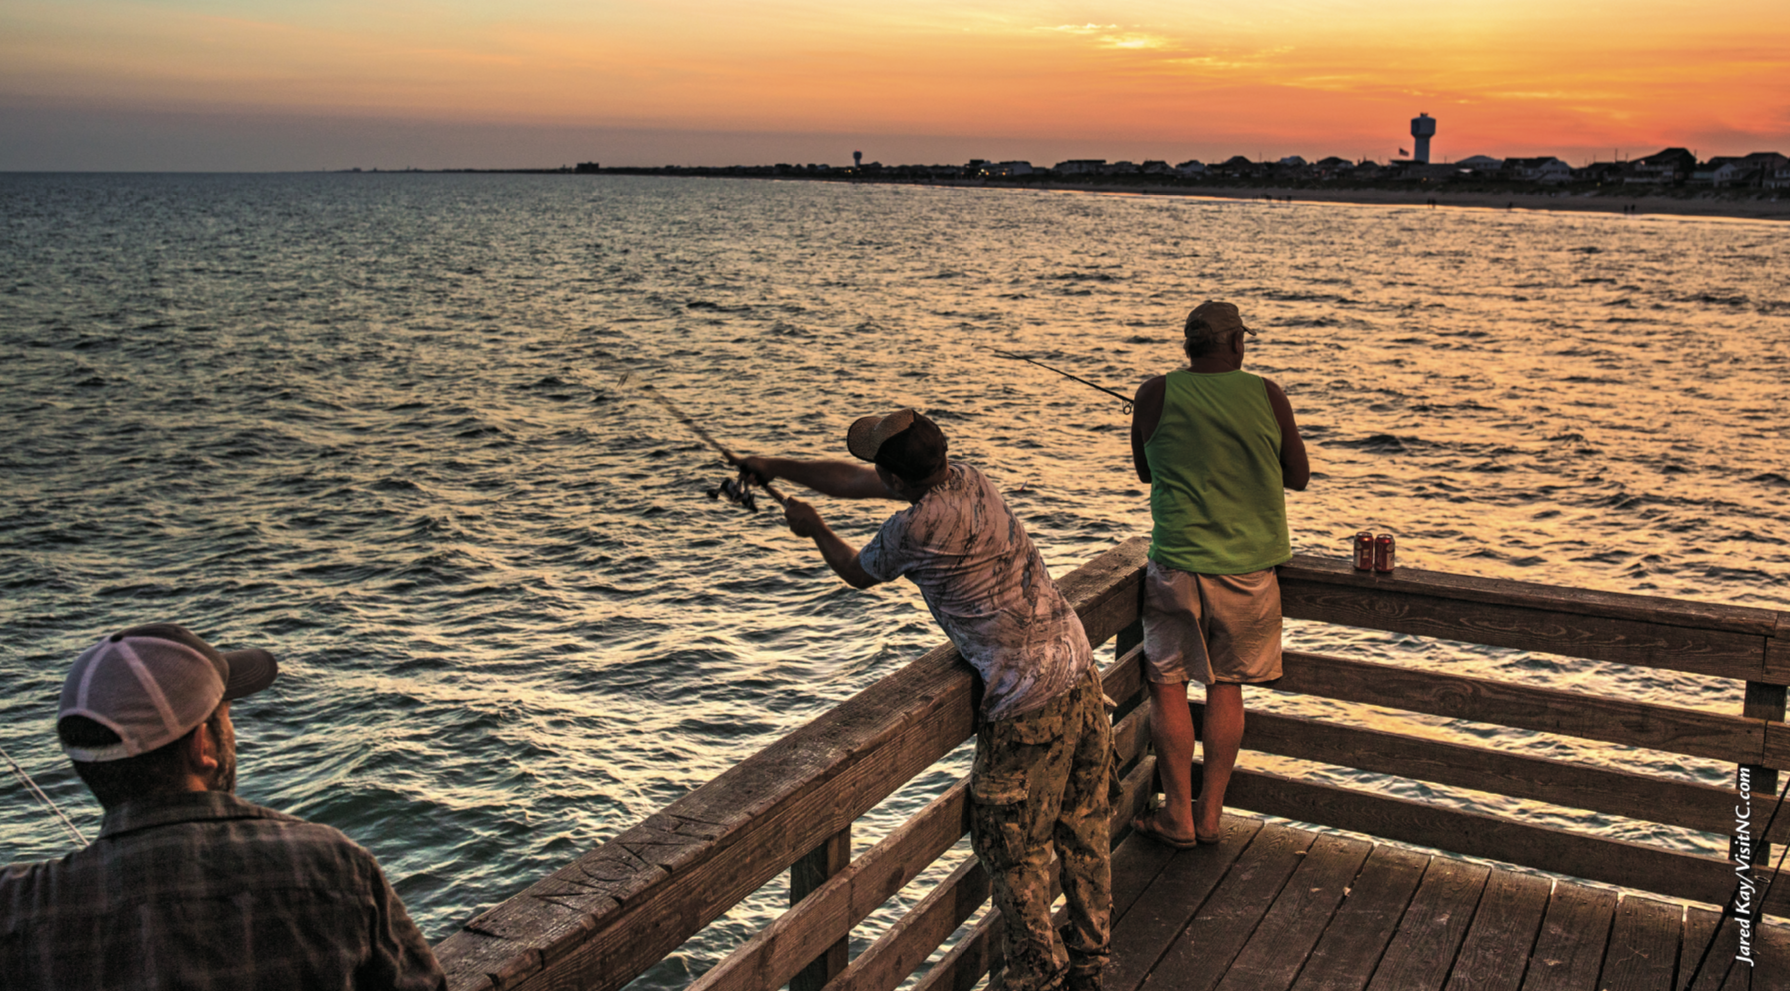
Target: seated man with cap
(1043, 740)
(187, 885)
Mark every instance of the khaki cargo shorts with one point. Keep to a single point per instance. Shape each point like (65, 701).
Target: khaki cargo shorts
(1211, 628)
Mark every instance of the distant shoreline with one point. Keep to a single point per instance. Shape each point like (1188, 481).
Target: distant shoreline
(1677, 201)
(1703, 204)
(1699, 203)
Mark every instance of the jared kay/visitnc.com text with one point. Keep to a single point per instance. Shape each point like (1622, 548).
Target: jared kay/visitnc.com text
(1744, 890)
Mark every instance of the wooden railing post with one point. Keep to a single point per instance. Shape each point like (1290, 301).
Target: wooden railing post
(805, 875)
(1763, 701)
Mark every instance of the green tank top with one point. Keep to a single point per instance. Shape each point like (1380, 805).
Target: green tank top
(1216, 492)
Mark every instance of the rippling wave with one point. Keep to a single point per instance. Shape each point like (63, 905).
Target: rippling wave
(389, 426)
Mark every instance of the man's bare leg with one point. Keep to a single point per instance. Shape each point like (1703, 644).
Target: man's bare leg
(1171, 731)
(1223, 726)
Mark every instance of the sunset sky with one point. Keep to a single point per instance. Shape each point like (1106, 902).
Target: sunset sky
(264, 84)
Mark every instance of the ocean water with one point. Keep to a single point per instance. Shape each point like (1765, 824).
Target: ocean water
(391, 428)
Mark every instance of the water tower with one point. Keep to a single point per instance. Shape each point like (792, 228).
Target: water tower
(857, 157)
(1423, 128)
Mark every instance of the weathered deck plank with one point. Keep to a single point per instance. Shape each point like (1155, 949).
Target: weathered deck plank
(1278, 907)
(1495, 955)
(1643, 950)
(1148, 930)
(1432, 928)
(1203, 951)
(1569, 953)
(1278, 949)
(1351, 947)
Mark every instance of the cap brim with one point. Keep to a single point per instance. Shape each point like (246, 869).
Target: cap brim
(251, 670)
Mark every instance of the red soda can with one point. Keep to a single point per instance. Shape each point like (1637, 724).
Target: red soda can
(1383, 545)
(1364, 551)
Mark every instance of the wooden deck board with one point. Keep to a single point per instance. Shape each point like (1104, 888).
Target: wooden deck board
(1432, 928)
(1644, 943)
(1202, 952)
(1722, 971)
(1495, 954)
(1147, 931)
(1569, 953)
(1278, 949)
(1350, 949)
(1275, 908)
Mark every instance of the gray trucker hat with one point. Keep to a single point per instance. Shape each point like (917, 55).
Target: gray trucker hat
(152, 684)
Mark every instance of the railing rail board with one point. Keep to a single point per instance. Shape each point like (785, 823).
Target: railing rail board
(1650, 609)
(1692, 732)
(1637, 796)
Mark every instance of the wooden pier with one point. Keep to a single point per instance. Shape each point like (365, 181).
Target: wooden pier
(1273, 906)
(1276, 907)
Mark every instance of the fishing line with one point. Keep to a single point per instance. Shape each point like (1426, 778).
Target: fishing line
(1020, 357)
(1728, 910)
(32, 787)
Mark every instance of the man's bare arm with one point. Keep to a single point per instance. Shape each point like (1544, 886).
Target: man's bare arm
(839, 479)
(1295, 467)
(1146, 413)
(839, 555)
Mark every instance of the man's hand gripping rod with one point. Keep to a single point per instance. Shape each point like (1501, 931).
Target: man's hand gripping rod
(737, 490)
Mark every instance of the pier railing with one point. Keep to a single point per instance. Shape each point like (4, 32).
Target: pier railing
(616, 911)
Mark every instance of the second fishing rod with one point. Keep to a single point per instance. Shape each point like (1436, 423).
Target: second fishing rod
(1122, 398)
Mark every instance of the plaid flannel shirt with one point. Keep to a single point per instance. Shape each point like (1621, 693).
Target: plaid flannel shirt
(205, 890)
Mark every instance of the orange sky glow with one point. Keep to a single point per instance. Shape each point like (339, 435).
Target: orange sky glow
(918, 81)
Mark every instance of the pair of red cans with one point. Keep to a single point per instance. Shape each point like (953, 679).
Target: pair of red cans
(1374, 553)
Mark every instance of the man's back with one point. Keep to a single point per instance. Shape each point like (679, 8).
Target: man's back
(1216, 495)
(204, 890)
(987, 586)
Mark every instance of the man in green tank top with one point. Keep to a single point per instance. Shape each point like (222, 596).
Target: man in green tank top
(1218, 447)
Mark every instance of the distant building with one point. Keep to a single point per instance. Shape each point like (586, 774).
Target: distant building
(1191, 167)
(1079, 166)
(1120, 168)
(1601, 172)
(1293, 161)
(1545, 168)
(1008, 169)
(1237, 167)
(1754, 170)
(1669, 166)
(1723, 170)
(1481, 163)
(1156, 167)
(582, 167)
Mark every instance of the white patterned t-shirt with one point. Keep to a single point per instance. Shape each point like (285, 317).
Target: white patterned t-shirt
(987, 587)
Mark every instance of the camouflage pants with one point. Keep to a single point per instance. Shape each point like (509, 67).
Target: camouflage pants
(1040, 784)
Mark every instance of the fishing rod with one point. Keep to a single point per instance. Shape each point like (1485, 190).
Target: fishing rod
(737, 490)
(32, 787)
(1020, 357)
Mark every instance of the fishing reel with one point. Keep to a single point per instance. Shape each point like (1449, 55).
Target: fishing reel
(737, 490)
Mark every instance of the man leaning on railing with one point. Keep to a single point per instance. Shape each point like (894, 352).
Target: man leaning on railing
(1043, 741)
